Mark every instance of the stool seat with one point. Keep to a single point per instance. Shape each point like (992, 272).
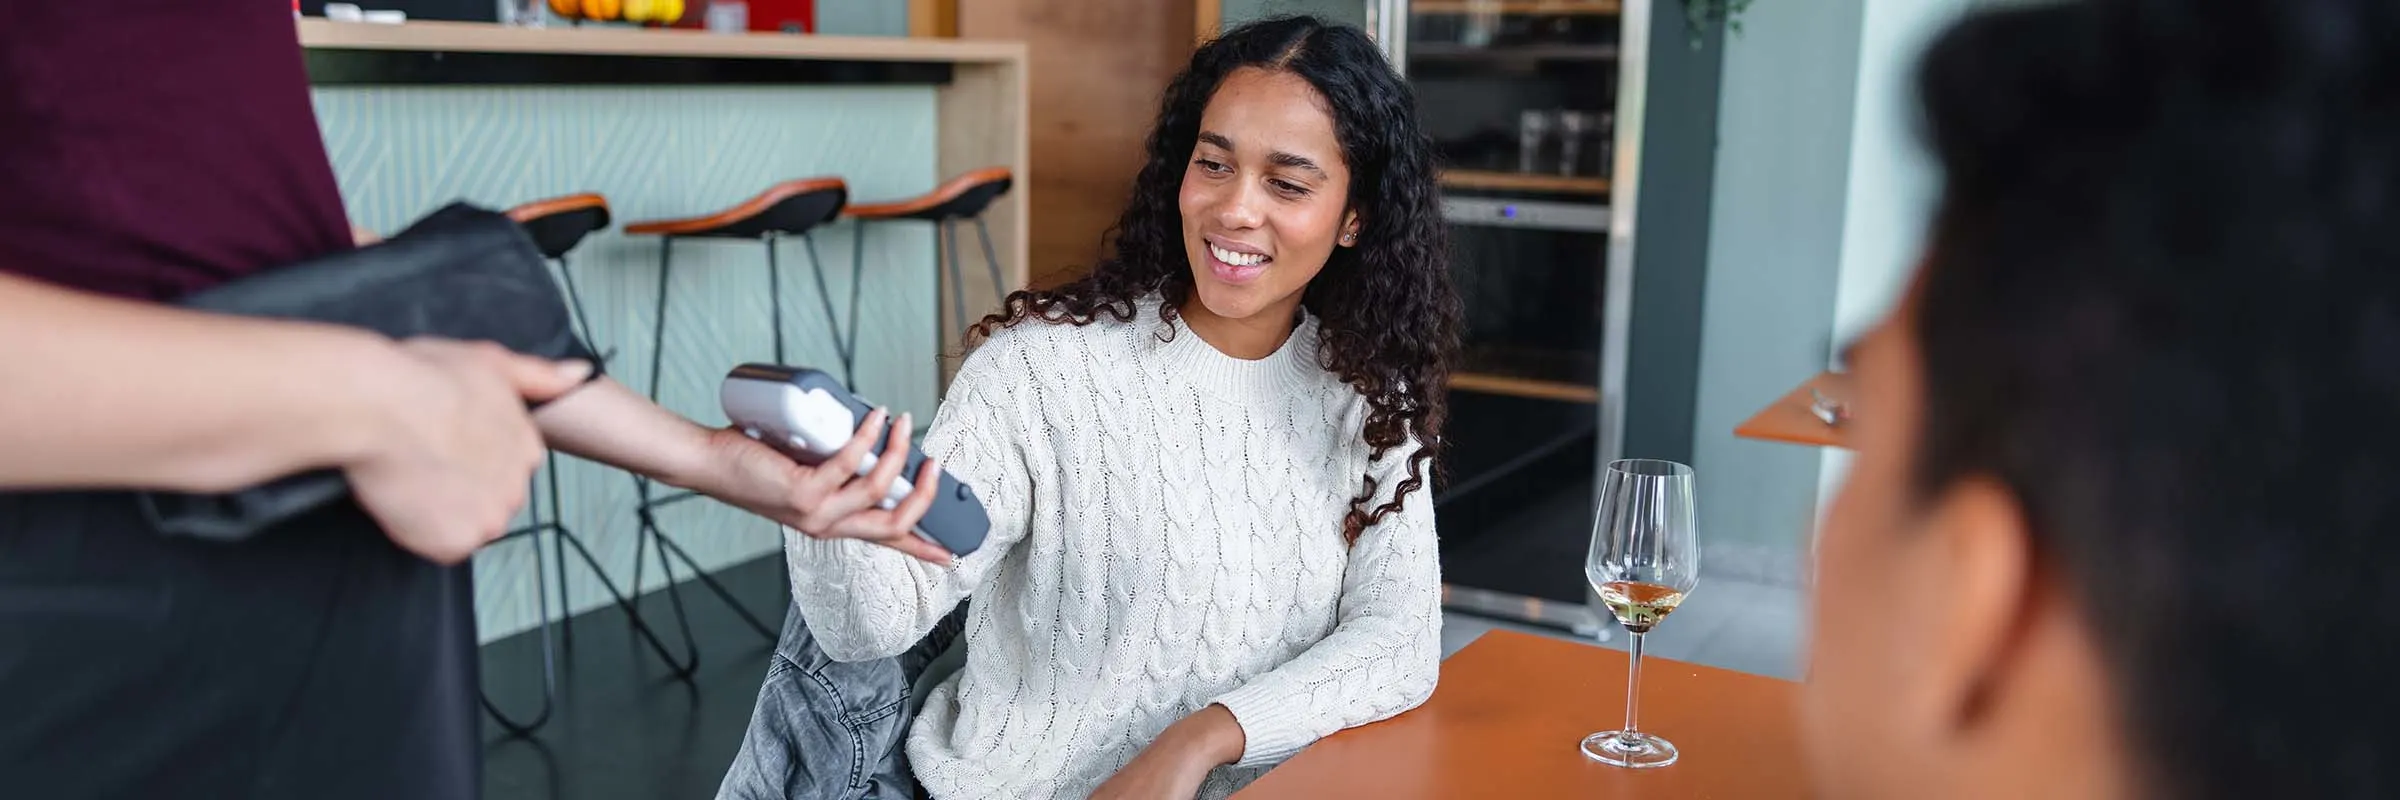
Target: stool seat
(958, 198)
(789, 207)
(557, 224)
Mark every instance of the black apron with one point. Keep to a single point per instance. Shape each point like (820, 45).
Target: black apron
(317, 660)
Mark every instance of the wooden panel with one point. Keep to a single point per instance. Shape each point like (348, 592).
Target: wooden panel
(1097, 72)
(1791, 419)
(933, 18)
(1508, 715)
(1208, 18)
(983, 113)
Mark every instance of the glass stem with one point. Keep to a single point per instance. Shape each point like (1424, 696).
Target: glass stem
(1633, 684)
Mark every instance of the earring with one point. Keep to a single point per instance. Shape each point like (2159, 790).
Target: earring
(1349, 238)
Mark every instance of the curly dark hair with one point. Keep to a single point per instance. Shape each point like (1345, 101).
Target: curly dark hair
(1389, 316)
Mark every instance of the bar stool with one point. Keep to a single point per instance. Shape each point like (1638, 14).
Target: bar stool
(791, 208)
(556, 226)
(961, 198)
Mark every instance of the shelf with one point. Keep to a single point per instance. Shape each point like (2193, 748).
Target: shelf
(1523, 182)
(1792, 420)
(1488, 383)
(1518, 7)
(1533, 52)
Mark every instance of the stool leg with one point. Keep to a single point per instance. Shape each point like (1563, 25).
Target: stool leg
(775, 296)
(583, 320)
(958, 289)
(841, 347)
(991, 257)
(643, 502)
(658, 361)
(658, 328)
(558, 547)
(668, 546)
(633, 615)
(549, 657)
(858, 271)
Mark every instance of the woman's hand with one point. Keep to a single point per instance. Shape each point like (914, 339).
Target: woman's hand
(1175, 763)
(609, 423)
(826, 501)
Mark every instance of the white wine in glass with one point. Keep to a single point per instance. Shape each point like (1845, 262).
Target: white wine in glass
(1645, 558)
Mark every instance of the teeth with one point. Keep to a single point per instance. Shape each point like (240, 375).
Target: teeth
(1236, 259)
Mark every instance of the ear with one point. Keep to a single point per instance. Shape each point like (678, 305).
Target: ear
(1349, 234)
(1984, 605)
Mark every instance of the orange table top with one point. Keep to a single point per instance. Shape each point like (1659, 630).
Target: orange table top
(1512, 709)
(1789, 418)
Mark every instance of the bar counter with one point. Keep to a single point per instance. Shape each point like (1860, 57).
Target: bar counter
(675, 123)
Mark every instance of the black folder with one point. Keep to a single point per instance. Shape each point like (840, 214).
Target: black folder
(462, 272)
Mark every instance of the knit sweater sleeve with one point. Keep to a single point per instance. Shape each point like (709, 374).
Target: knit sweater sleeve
(864, 601)
(1384, 653)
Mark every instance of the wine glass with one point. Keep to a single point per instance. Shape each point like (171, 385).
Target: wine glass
(1645, 557)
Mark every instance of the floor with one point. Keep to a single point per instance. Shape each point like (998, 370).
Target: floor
(624, 727)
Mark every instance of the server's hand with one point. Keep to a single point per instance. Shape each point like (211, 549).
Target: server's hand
(446, 466)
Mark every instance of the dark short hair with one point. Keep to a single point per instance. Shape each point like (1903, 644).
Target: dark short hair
(2163, 307)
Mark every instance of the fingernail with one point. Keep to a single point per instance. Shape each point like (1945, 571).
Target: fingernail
(574, 369)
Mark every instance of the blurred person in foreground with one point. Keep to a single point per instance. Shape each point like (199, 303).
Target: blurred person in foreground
(2129, 450)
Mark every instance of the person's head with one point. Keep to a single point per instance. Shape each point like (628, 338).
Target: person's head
(1286, 169)
(2128, 453)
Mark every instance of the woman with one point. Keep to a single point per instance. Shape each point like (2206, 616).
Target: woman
(332, 657)
(1206, 464)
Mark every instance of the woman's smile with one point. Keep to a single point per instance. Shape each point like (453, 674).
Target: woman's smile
(1235, 263)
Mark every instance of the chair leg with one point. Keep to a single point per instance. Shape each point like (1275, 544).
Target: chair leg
(583, 319)
(841, 346)
(658, 328)
(658, 356)
(682, 670)
(775, 296)
(558, 548)
(645, 507)
(858, 271)
(667, 546)
(991, 258)
(958, 289)
(514, 726)
(643, 503)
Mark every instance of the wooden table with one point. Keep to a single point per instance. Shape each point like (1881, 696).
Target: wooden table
(1511, 710)
(1790, 418)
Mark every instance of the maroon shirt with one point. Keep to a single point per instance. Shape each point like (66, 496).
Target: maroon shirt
(150, 148)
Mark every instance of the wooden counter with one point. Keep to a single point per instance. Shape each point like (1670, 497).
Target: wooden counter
(625, 41)
(981, 87)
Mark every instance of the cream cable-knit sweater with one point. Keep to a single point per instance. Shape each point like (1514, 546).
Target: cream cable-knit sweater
(1166, 535)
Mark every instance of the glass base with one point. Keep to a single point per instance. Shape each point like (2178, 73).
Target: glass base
(1633, 749)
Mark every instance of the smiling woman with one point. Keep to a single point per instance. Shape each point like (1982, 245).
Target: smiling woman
(1205, 465)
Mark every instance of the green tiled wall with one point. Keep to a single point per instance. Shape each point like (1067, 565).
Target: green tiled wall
(663, 152)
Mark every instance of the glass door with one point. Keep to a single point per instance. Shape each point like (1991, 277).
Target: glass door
(1520, 97)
